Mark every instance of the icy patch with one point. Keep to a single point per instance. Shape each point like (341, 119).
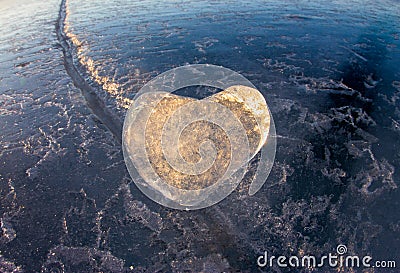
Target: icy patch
(9, 267)
(138, 211)
(378, 176)
(210, 264)
(81, 259)
(44, 145)
(203, 44)
(7, 232)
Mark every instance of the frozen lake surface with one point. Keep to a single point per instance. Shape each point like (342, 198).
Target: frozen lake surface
(329, 71)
